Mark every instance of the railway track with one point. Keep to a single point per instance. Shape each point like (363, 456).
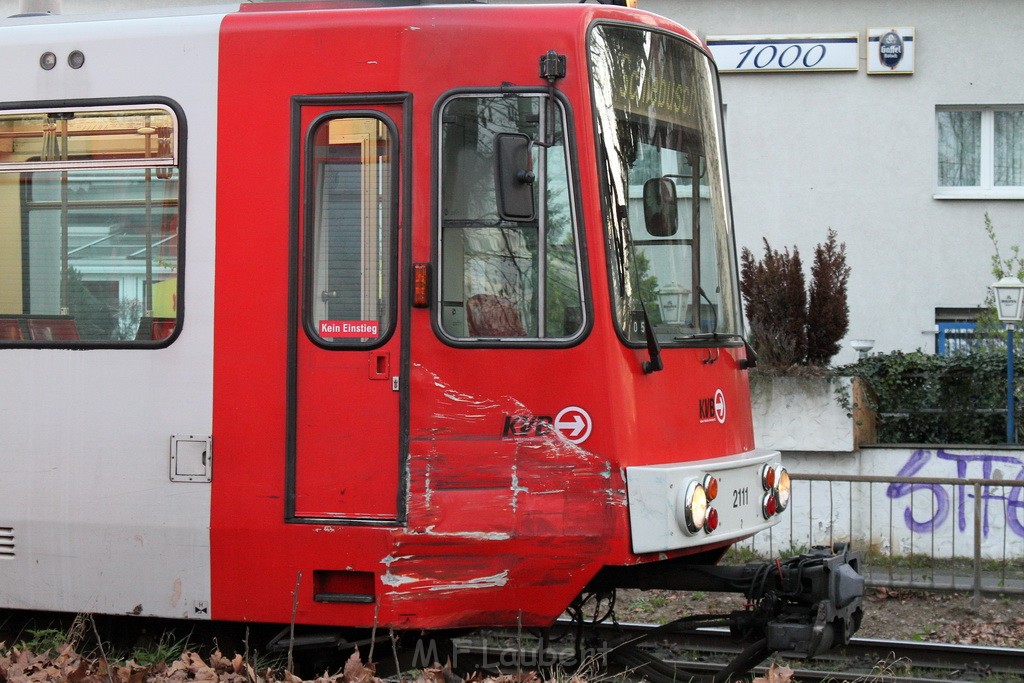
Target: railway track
(651, 652)
(669, 656)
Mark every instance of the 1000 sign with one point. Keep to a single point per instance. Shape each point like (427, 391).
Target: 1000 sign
(770, 57)
(834, 52)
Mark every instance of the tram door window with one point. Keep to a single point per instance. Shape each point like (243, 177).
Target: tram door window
(89, 220)
(509, 269)
(350, 246)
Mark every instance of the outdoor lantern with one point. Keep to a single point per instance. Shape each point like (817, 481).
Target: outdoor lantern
(862, 346)
(671, 301)
(1009, 293)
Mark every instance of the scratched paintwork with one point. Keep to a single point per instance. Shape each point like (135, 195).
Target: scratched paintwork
(477, 500)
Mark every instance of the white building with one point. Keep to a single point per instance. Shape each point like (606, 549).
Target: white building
(860, 152)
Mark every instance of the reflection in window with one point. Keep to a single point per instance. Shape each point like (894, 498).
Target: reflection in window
(959, 148)
(500, 278)
(89, 213)
(669, 234)
(1009, 148)
(351, 237)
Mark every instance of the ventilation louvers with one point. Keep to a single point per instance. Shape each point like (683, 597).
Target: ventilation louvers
(6, 542)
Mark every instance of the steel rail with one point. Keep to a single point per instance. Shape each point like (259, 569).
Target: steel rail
(921, 654)
(862, 654)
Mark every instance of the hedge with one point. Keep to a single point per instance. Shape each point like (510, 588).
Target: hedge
(953, 399)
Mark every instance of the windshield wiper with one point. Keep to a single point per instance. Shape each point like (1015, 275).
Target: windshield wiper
(711, 307)
(653, 348)
(707, 335)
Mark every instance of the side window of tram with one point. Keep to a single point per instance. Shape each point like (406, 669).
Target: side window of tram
(349, 238)
(89, 213)
(509, 266)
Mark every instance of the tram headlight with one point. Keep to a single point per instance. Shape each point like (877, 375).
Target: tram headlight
(694, 507)
(783, 488)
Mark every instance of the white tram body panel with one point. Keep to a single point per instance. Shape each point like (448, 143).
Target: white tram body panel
(99, 450)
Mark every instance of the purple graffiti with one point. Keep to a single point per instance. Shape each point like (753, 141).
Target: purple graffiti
(919, 459)
(987, 461)
(1014, 508)
(1012, 503)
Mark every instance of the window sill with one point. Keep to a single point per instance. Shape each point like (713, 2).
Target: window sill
(979, 193)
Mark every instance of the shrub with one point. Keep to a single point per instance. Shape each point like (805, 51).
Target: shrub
(785, 330)
(990, 329)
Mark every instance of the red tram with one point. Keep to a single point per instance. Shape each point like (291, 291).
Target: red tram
(427, 314)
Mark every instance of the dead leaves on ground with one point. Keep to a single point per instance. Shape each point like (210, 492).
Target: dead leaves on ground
(1008, 632)
(18, 665)
(776, 674)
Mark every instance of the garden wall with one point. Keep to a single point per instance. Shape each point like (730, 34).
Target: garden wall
(939, 514)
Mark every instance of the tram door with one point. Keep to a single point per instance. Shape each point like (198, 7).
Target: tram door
(345, 436)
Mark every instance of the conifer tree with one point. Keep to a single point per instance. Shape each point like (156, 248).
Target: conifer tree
(828, 314)
(785, 328)
(776, 303)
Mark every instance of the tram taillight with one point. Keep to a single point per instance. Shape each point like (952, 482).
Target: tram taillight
(778, 487)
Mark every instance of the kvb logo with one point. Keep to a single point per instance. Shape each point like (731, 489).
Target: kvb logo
(572, 423)
(526, 425)
(712, 408)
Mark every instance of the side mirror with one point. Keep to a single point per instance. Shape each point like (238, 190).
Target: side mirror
(661, 210)
(514, 177)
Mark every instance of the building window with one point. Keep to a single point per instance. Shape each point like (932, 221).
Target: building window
(89, 218)
(957, 331)
(980, 152)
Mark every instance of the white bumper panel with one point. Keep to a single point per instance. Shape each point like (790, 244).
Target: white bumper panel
(656, 495)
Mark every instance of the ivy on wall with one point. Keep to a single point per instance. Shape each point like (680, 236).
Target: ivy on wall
(926, 399)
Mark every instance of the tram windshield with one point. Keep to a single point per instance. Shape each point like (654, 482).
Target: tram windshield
(667, 213)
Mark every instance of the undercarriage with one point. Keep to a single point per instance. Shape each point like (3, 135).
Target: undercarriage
(801, 607)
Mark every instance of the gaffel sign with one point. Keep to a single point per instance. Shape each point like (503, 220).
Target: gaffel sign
(890, 51)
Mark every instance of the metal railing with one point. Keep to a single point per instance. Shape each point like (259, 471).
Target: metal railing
(941, 534)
